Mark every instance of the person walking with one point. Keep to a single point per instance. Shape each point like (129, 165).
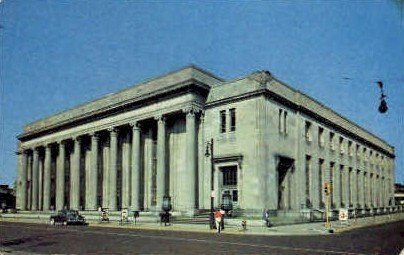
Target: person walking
(218, 220)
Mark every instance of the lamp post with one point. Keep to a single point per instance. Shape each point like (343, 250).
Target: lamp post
(209, 152)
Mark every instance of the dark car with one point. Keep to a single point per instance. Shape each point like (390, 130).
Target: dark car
(67, 217)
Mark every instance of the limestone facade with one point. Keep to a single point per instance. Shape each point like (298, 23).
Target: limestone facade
(273, 148)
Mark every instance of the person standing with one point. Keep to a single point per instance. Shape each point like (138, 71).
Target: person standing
(218, 220)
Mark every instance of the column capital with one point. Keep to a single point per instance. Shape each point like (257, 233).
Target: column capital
(191, 110)
(94, 135)
(134, 124)
(160, 118)
(113, 130)
(77, 138)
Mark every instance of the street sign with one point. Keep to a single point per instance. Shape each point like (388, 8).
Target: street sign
(343, 215)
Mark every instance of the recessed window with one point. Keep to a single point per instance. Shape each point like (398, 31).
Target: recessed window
(229, 175)
(321, 136)
(233, 119)
(222, 121)
(308, 131)
(280, 126)
(285, 122)
(332, 145)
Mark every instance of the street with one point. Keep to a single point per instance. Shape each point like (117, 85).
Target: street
(45, 239)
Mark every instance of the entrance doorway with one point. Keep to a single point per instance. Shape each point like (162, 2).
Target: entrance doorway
(285, 168)
(229, 183)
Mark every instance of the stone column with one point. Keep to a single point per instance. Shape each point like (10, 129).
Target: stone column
(161, 161)
(190, 174)
(75, 176)
(354, 188)
(126, 169)
(60, 177)
(112, 168)
(91, 194)
(47, 178)
(35, 177)
(135, 181)
(22, 187)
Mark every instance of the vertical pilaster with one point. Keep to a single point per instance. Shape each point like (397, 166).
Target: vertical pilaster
(22, 187)
(75, 176)
(91, 194)
(47, 178)
(112, 168)
(161, 160)
(60, 177)
(190, 173)
(35, 178)
(135, 180)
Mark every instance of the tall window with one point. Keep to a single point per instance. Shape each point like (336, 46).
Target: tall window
(350, 186)
(341, 186)
(233, 119)
(321, 181)
(308, 131)
(282, 121)
(308, 181)
(222, 121)
(358, 152)
(285, 122)
(320, 136)
(229, 175)
(332, 146)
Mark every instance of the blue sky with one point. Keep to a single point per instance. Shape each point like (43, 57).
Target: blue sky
(57, 54)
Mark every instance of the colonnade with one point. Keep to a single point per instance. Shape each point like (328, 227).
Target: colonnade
(54, 157)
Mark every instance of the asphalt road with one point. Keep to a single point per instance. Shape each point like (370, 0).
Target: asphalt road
(45, 239)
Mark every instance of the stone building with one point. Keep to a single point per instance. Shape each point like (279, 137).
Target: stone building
(273, 148)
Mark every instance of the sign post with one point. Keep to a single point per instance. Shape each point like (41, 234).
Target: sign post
(343, 215)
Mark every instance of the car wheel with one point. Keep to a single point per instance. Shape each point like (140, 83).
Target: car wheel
(52, 222)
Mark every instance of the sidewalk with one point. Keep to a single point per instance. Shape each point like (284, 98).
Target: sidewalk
(150, 223)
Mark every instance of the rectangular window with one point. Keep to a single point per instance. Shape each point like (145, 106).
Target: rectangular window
(321, 181)
(350, 150)
(358, 152)
(341, 187)
(285, 122)
(222, 121)
(350, 186)
(235, 195)
(320, 136)
(308, 181)
(233, 119)
(229, 175)
(280, 121)
(308, 131)
(332, 146)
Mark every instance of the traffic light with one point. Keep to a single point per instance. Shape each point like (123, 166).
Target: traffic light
(326, 188)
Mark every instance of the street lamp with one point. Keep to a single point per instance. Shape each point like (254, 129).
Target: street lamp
(209, 152)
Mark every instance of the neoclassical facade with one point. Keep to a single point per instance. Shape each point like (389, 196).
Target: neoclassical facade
(273, 148)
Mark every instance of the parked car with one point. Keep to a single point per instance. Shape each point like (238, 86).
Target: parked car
(67, 217)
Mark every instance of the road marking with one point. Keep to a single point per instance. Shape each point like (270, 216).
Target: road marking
(203, 241)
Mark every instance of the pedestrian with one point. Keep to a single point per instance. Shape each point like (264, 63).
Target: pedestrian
(218, 220)
(265, 217)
